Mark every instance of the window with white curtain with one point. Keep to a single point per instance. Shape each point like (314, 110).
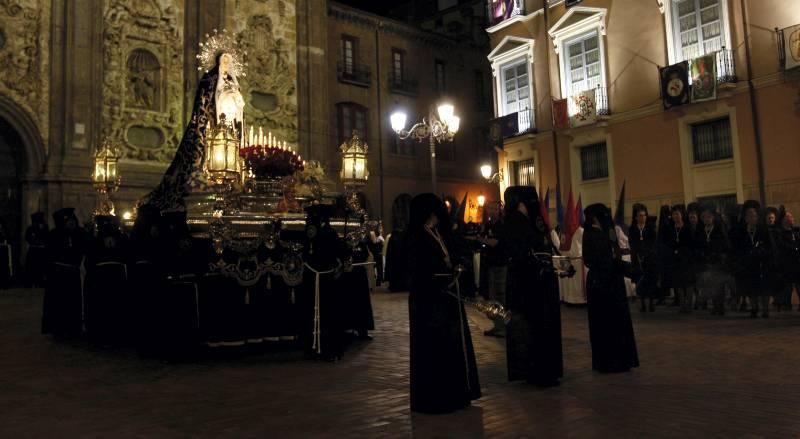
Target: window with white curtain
(516, 87)
(583, 64)
(697, 27)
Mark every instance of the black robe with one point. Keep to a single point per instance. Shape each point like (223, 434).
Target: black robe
(355, 288)
(107, 302)
(788, 249)
(678, 267)
(396, 270)
(644, 258)
(753, 259)
(610, 326)
(444, 375)
(36, 259)
(322, 254)
(62, 309)
(6, 261)
(533, 336)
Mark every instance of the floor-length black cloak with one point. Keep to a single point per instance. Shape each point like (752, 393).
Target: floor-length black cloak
(610, 326)
(444, 375)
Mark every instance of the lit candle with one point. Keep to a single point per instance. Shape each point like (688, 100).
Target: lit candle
(250, 140)
(269, 139)
(260, 136)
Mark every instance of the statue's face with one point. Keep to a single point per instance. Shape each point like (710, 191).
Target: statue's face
(225, 62)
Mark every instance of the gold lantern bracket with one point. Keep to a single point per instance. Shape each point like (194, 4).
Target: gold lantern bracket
(355, 173)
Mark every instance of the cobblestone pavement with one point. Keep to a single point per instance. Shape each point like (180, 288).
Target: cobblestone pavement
(701, 376)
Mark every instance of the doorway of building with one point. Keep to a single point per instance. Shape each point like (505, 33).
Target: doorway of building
(11, 148)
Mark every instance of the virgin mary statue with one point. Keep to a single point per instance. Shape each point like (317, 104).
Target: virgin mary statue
(218, 100)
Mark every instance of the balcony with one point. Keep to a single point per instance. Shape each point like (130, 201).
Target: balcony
(600, 103)
(403, 86)
(726, 69)
(502, 10)
(513, 124)
(354, 74)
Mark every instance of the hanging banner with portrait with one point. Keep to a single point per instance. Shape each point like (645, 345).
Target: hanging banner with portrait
(501, 10)
(704, 78)
(585, 107)
(791, 47)
(674, 84)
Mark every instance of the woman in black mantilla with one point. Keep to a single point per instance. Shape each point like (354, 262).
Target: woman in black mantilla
(753, 249)
(610, 325)
(679, 270)
(533, 336)
(444, 375)
(644, 257)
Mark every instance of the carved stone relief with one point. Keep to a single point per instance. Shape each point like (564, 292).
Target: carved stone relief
(268, 32)
(24, 58)
(143, 76)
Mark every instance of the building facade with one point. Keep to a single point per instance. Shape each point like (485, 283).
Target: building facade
(78, 73)
(377, 66)
(740, 144)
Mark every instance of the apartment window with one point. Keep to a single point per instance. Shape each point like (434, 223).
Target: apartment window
(594, 162)
(516, 88)
(523, 173)
(401, 147)
(350, 116)
(697, 28)
(581, 53)
(348, 54)
(440, 76)
(583, 63)
(397, 66)
(711, 141)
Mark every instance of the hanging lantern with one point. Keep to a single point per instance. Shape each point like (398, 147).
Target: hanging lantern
(354, 172)
(106, 178)
(222, 154)
(354, 162)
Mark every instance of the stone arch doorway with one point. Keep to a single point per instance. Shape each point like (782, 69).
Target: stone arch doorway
(21, 167)
(11, 170)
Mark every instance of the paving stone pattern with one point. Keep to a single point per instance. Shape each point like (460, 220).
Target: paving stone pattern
(701, 376)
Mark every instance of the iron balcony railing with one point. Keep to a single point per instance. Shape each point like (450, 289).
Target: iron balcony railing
(403, 85)
(600, 102)
(355, 74)
(512, 124)
(726, 67)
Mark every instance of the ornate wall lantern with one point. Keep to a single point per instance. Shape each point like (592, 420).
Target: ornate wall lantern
(106, 178)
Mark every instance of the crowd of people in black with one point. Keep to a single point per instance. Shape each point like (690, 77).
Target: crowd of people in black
(735, 260)
(154, 286)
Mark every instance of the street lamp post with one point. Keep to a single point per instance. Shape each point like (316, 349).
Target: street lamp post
(435, 130)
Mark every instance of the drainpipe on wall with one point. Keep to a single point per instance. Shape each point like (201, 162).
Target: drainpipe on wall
(762, 190)
(380, 113)
(550, 89)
